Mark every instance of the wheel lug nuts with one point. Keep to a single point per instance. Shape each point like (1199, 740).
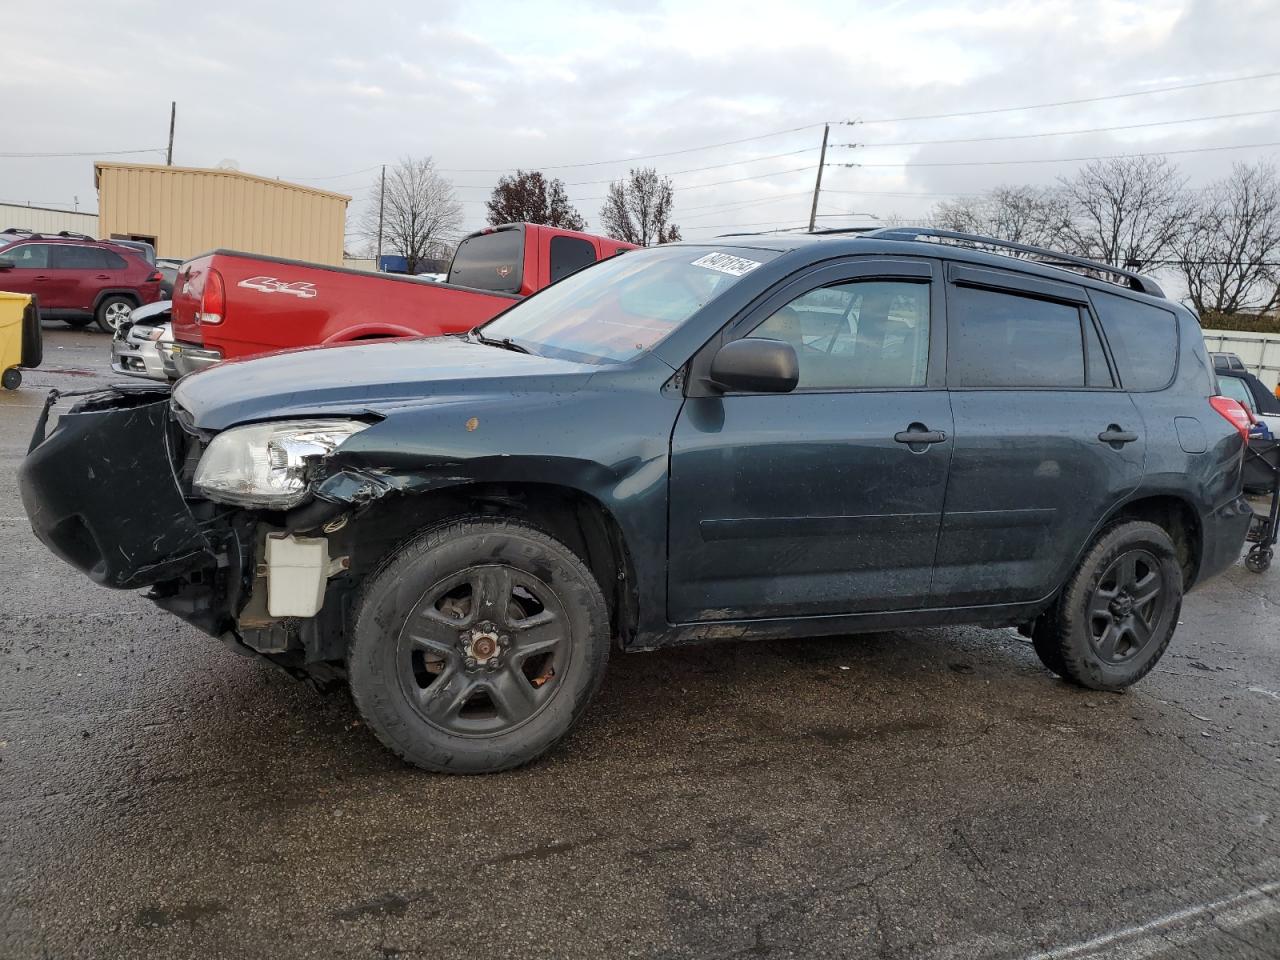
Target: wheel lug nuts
(471, 663)
(493, 664)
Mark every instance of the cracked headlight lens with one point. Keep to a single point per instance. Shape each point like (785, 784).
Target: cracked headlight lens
(268, 464)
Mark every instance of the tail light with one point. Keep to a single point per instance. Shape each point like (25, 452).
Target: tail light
(1235, 412)
(213, 300)
(155, 277)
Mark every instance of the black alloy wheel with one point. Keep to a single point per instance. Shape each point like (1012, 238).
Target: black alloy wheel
(1117, 613)
(484, 650)
(478, 645)
(1126, 606)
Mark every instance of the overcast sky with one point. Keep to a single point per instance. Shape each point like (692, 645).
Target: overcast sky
(322, 96)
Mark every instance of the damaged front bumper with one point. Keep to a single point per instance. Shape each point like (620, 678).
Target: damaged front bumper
(106, 492)
(101, 491)
(110, 491)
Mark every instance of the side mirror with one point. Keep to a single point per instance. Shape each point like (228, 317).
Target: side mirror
(6, 264)
(757, 366)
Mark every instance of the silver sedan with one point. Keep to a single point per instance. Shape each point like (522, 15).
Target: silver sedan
(137, 347)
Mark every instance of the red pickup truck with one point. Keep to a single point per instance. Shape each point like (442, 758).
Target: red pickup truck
(228, 304)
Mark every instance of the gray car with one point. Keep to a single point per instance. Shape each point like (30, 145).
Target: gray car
(752, 437)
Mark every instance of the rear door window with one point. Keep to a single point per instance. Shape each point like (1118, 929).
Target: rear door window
(1143, 339)
(1098, 374)
(999, 339)
(569, 255)
(70, 257)
(28, 256)
(490, 261)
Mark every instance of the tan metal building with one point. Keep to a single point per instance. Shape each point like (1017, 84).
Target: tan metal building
(47, 219)
(185, 211)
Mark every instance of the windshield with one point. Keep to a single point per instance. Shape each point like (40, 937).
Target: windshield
(619, 308)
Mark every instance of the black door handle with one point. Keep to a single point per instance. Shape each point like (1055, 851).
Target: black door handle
(917, 434)
(1116, 436)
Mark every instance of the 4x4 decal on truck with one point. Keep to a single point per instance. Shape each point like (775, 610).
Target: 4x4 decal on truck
(299, 288)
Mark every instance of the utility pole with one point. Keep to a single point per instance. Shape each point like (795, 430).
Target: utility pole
(382, 197)
(817, 186)
(173, 113)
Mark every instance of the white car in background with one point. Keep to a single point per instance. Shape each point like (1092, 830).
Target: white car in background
(137, 347)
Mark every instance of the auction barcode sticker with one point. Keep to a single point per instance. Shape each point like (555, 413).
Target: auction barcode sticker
(722, 262)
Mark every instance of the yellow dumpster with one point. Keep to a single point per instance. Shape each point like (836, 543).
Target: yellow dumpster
(20, 341)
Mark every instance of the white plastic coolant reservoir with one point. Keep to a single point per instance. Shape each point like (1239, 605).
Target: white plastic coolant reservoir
(297, 571)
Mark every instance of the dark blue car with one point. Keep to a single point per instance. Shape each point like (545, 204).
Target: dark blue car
(754, 437)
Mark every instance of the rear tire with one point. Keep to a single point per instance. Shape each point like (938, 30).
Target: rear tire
(478, 646)
(113, 311)
(78, 323)
(1118, 612)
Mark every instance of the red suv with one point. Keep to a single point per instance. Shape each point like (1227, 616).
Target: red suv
(76, 278)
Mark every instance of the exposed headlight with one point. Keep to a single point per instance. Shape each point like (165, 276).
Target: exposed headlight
(267, 464)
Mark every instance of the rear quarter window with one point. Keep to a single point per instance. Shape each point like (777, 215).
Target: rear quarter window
(569, 255)
(1143, 338)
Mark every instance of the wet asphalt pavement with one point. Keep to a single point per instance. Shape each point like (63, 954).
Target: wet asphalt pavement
(931, 794)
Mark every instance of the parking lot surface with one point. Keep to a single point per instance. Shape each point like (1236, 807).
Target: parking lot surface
(932, 793)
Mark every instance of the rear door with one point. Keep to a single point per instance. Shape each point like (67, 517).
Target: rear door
(79, 273)
(1045, 441)
(825, 500)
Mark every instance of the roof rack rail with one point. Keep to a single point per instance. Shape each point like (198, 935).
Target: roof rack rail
(36, 234)
(1056, 258)
(825, 230)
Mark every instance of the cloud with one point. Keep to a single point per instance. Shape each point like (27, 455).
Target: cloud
(309, 94)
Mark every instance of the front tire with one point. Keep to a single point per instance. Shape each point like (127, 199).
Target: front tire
(112, 312)
(1118, 611)
(478, 646)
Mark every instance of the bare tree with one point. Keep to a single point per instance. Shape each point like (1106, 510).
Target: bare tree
(421, 214)
(1021, 214)
(530, 197)
(1125, 211)
(1228, 256)
(638, 209)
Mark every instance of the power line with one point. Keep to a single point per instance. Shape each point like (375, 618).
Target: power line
(1112, 156)
(647, 156)
(714, 166)
(715, 210)
(903, 193)
(1063, 103)
(587, 183)
(757, 223)
(77, 153)
(1061, 133)
(338, 176)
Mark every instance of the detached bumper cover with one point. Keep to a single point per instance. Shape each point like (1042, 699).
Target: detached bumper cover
(101, 492)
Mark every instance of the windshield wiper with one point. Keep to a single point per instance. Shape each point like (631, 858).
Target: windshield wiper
(506, 343)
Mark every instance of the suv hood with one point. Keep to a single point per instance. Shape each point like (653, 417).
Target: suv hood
(367, 377)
